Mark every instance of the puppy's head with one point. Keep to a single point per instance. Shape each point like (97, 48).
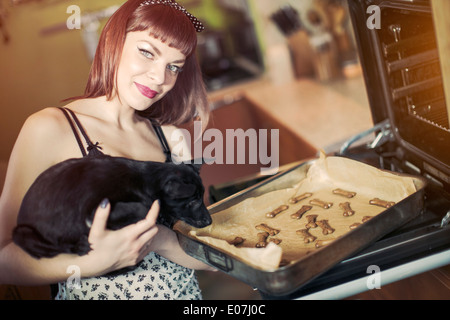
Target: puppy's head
(182, 197)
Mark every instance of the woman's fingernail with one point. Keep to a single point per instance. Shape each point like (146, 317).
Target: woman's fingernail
(104, 203)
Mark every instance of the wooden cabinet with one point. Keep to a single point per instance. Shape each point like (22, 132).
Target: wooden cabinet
(24, 293)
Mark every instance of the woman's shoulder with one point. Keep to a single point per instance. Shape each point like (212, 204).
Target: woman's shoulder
(47, 119)
(39, 145)
(45, 129)
(54, 116)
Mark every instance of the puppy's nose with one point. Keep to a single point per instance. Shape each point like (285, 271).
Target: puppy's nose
(202, 222)
(207, 220)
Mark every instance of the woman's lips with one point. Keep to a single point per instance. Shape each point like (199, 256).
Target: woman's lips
(146, 91)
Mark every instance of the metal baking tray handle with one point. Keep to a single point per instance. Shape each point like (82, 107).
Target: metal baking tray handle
(384, 135)
(218, 259)
(446, 220)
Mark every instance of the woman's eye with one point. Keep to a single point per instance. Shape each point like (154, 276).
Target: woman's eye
(146, 53)
(174, 69)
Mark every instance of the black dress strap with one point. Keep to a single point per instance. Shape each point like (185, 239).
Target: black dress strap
(92, 149)
(162, 139)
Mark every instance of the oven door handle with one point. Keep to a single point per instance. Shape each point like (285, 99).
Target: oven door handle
(384, 135)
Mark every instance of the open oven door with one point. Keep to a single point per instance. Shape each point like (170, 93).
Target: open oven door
(402, 71)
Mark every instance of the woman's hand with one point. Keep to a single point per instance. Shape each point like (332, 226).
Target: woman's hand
(166, 244)
(113, 250)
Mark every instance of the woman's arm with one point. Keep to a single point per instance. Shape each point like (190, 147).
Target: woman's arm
(43, 142)
(29, 157)
(111, 250)
(166, 244)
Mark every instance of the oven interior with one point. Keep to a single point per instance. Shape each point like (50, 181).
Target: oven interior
(413, 71)
(402, 71)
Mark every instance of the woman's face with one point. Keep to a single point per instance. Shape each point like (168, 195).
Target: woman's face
(147, 71)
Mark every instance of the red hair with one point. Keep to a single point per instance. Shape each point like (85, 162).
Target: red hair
(188, 97)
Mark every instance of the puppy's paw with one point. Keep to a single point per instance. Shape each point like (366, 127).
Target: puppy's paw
(82, 247)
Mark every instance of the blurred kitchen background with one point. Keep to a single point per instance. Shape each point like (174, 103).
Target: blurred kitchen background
(289, 65)
(43, 62)
(284, 64)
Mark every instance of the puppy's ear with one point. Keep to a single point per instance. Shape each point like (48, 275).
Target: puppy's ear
(196, 164)
(178, 189)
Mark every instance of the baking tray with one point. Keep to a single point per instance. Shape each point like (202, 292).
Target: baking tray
(289, 278)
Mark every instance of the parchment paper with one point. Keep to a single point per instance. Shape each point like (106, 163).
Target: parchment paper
(325, 175)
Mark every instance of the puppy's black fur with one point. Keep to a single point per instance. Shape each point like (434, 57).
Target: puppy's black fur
(57, 210)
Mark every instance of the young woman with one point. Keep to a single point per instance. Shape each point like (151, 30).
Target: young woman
(144, 80)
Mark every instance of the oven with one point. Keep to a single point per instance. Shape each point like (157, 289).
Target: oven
(411, 136)
(402, 71)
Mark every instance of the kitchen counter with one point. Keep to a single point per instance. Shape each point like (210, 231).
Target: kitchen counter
(324, 115)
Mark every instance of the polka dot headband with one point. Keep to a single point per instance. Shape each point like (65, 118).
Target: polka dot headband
(196, 23)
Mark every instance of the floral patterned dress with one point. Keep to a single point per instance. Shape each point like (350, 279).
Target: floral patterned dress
(155, 278)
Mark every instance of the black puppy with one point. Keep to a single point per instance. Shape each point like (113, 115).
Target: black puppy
(58, 209)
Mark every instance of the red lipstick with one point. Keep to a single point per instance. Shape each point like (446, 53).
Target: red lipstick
(146, 91)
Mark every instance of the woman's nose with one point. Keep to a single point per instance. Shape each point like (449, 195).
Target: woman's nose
(157, 73)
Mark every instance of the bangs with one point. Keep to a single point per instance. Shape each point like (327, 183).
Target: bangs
(159, 20)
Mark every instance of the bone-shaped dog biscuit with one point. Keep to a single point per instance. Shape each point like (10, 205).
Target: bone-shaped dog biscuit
(320, 203)
(344, 193)
(311, 221)
(274, 240)
(322, 243)
(264, 227)
(277, 211)
(354, 226)
(326, 228)
(381, 203)
(348, 211)
(300, 197)
(307, 237)
(262, 237)
(299, 214)
(236, 241)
